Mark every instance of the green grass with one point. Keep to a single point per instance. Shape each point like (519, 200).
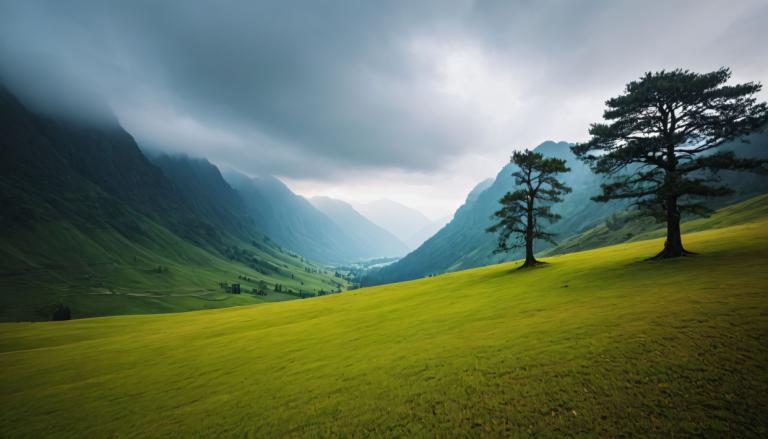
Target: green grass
(626, 227)
(597, 343)
(111, 275)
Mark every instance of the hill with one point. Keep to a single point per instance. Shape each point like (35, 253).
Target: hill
(463, 243)
(87, 220)
(379, 242)
(597, 343)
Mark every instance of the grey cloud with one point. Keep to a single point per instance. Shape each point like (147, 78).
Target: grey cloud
(311, 89)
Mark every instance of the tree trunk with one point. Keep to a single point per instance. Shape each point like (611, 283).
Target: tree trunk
(673, 246)
(530, 260)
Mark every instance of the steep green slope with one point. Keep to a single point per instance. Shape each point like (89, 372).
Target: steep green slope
(86, 220)
(596, 343)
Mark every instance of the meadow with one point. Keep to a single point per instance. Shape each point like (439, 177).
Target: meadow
(596, 343)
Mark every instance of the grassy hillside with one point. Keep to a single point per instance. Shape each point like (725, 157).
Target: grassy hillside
(627, 227)
(597, 343)
(86, 220)
(111, 275)
(463, 243)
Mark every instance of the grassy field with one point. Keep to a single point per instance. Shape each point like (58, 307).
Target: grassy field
(597, 343)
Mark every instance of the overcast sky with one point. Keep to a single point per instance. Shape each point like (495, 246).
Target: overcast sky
(416, 101)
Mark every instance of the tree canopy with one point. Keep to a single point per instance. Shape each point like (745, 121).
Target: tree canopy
(657, 144)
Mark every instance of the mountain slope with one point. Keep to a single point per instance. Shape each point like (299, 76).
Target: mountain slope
(380, 242)
(207, 194)
(293, 222)
(426, 232)
(597, 343)
(397, 219)
(463, 243)
(626, 227)
(88, 221)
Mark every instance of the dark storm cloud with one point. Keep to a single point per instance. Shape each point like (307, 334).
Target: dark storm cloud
(327, 81)
(313, 89)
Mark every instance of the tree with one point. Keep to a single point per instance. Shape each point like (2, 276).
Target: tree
(61, 312)
(523, 209)
(656, 146)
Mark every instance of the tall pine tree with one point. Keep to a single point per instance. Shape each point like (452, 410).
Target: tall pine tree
(658, 139)
(522, 211)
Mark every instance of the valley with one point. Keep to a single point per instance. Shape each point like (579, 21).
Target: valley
(401, 219)
(594, 342)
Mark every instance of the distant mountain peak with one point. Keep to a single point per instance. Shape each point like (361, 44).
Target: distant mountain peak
(398, 219)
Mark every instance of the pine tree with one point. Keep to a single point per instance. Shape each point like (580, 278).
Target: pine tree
(523, 210)
(657, 146)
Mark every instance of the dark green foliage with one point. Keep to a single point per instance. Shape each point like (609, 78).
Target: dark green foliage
(62, 312)
(522, 211)
(658, 144)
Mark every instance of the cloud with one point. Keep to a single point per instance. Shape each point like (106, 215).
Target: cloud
(410, 90)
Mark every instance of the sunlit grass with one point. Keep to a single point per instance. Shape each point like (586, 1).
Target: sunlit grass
(597, 343)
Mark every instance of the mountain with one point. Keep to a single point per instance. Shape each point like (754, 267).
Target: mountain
(201, 187)
(380, 241)
(87, 220)
(399, 220)
(426, 232)
(463, 243)
(293, 222)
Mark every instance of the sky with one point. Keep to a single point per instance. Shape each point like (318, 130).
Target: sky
(416, 101)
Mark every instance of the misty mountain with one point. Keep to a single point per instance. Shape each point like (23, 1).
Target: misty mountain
(293, 222)
(360, 228)
(463, 243)
(399, 220)
(426, 232)
(203, 189)
(83, 211)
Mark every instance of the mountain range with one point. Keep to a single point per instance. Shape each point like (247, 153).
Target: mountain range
(333, 234)
(89, 220)
(378, 241)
